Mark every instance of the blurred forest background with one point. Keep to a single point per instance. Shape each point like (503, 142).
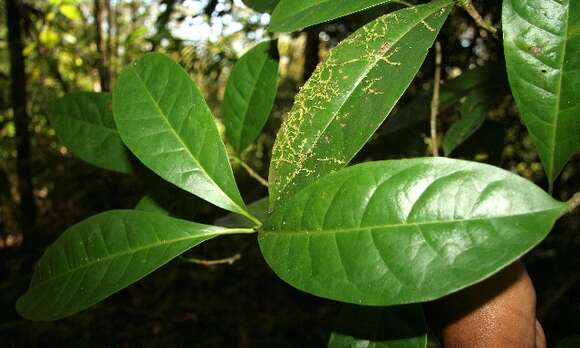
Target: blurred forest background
(49, 48)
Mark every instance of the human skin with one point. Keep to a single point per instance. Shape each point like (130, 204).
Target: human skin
(499, 312)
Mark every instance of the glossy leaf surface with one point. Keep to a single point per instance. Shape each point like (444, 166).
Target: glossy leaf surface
(84, 123)
(394, 232)
(542, 49)
(294, 15)
(349, 96)
(379, 327)
(103, 254)
(164, 120)
(250, 94)
(473, 112)
(261, 5)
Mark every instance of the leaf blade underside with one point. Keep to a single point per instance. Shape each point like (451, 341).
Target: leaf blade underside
(250, 94)
(84, 122)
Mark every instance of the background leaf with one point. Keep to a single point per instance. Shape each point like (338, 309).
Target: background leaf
(103, 254)
(417, 111)
(379, 327)
(542, 50)
(349, 96)
(166, 123)
(149, 204)
(395, 232)
(70, 11)
(250, 94)
(294, 15)
(84, 123)
(261, 5)
(259, 209)
(472, 115)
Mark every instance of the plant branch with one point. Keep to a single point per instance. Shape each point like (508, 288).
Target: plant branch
(228, 260)
(574, 202)
(467, 5)
(435, 99)
(251, 171)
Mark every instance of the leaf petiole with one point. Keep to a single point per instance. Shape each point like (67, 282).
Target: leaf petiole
(250, 217)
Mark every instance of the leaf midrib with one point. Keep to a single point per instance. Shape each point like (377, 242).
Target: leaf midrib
(559, 95)
(180, 140)
(389, 226)
(347, 97)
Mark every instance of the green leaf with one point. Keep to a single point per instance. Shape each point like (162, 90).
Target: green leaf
(473, 112)
(166, 123)
(148, 204)
(542, 50)
(294, 15)
(350, 94)
(259, 209)
(84, 123)
(167, 199)
(376, 327)
(104, 254)
(71, 12)
(395, 232)
(417, 111)
(250, 94)
(137, 34)
(261, 5)
(48, 38)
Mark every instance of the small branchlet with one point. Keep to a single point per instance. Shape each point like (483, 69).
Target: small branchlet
(435, 98)
(467, 5)
(250, 171)
(208, 263)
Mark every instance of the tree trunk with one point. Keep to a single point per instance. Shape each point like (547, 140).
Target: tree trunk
(21, 121)
(109, 53)
(311, 52)
(117, 24)
(104, 74)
